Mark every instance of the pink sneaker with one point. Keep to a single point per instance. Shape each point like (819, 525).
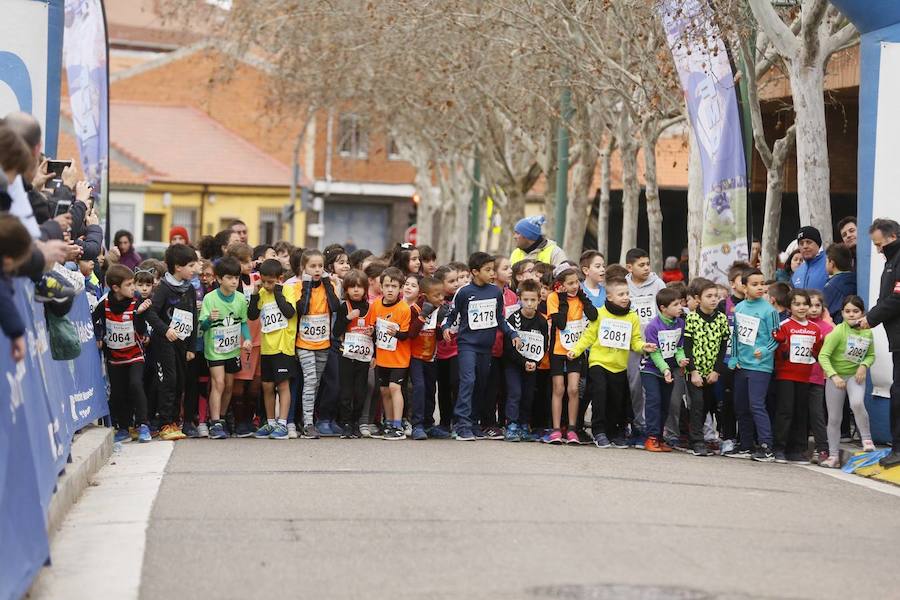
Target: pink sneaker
(868, 446)
(572, 437)
(554, 437)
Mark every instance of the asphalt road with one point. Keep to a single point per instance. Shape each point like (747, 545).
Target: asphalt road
(444, 519)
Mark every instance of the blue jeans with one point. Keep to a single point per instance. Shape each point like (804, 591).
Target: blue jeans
(474, 369)
(750, 390)
(657, 394)
(520, 387)
(424, 377)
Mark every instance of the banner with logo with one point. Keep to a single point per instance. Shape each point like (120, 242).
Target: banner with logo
(31, 38)
(708, 84)
(88, 78)
(47, 402)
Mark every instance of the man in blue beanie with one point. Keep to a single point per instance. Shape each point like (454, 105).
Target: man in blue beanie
(531, 243)
(811, 275)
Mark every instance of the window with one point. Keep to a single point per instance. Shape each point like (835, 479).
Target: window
(393, 149)
(270, 225)
(187, 218)
(153, 228)
(354, 139)
(121, 216)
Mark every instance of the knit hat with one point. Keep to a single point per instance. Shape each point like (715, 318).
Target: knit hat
(671, 263)
(810, 233)
(530, 227)
(179, 230)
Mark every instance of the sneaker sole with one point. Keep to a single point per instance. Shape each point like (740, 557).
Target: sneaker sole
(463, 439)
(394, 439)
(740, 456)
(280, 437)
(764, 460)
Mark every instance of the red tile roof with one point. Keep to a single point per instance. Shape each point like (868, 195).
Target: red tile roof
(179, 144)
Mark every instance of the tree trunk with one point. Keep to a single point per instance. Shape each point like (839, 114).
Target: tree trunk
(813, 175)
(651, 192)
(429, 202)
(772, 221)
(695, 207)
(631, 194)
(603, 207)
(580, 203)
(549, 209)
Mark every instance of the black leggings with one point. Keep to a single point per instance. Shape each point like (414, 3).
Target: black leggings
(354, 385)
(126, 394)
(448, 387)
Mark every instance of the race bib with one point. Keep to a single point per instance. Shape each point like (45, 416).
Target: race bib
(747, 328)
(857, 347)
(119, 334)
(615, 333)
(359, 346)
(315, 328)
(226, 338)
(802, 349)
(668, 342)
(509, 310)
(532, 347)
(728, 343)
(569, 336)
(482, 314)
(182, 323)
(271, 318)
(383, 339)
(645, 307)
(431, 323)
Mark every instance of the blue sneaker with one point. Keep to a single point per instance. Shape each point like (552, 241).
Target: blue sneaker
(418, 433)
(325, 430)
(619, 442)
(279, 432)
(478, 432)
(601, 441)
(513, 433)
(438, 433)
(265, 431)
(217, 431)
(243, 430)
(122, 436)
(144, 434)
(465, 435)
(337, 429)
(190, 431)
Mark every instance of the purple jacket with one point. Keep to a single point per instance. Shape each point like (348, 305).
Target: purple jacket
(131, 259)
(669, 339)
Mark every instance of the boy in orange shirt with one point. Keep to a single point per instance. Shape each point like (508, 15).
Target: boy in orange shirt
(391, 317)
(422, 370)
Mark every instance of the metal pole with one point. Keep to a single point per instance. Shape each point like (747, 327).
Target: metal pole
(562, 161)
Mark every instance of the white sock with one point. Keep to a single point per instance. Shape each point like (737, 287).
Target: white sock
(271, 422)
(282, 422)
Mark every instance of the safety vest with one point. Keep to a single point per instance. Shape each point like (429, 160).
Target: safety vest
(542, 256)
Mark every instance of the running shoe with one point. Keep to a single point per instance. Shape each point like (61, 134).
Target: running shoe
(464, 434)
(364, 430)
(243, 430)
(513, 433)
(832, 462)
(700, 449)
(190, 431)
(572, 437)
(493, 433)
(554, 437)
(584, 438)
(171, 432)
(279, 432)
(392, 434)
(738, 453)
(325, 430)
(780, 457)
(217, 431)
(764, 454)
(726, 447)
(292, 431)
(418, 433)
(203, 430)
(437, 432)
(121, 436)
(310, 432)
(797, 459)
(265, 431)
(144, 434)
(478, 432)
(601, 441)
(868, 446)
(619, 443)
(53, 287)
(652, 444)
(407, 428)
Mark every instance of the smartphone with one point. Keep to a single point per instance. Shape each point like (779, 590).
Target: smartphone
(62, 207)
(56, 167)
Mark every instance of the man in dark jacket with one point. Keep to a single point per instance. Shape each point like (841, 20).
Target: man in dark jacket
(884, 234)
(841, 279)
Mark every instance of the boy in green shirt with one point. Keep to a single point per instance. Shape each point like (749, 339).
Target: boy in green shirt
(223, 321)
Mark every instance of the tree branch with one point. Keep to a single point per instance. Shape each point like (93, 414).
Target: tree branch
(782, 38)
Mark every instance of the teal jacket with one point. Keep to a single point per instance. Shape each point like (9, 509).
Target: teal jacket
(754, 323)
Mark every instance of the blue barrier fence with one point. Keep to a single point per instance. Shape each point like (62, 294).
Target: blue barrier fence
(45, 403)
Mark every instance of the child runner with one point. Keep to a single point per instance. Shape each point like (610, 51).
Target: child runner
(846, 356)
(275, 307)
(521, 365)
(223, 319)
(422, 370)
(726, 417)
(479, 306)
(569, 309)
(753, 359)
(593, 267)
(119, 327)
(817, 416)
(357, 351)
(798, 346)
(173, 318)
(706, 336)
(659, 367)
(447, 362)
(428, 259)
(390, 316)
(494, 398)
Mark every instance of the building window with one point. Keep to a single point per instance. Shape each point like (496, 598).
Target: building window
(270, 220)
(153, 225)
(187, 218)
(393, 149)
(354, 139)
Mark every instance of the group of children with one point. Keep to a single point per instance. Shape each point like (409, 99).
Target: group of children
(279, 343)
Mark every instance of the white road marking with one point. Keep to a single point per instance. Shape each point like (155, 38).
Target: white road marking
(872, 484)
(99, 550)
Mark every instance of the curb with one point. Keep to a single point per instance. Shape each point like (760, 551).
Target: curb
(91, 450)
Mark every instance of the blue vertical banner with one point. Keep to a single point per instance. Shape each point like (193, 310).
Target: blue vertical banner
(87, 73)
(707, 80)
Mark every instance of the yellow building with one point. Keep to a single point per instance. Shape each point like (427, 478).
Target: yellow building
(174, 166)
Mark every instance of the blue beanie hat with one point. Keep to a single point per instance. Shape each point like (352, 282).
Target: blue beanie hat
(530, 227)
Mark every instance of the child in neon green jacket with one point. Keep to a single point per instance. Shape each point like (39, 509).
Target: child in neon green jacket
(615, 332)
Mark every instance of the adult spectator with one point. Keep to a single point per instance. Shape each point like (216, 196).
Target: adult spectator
(841, 279)
(531, 243)
(884, 234)
(811, 275)
(847, 231)
(128, 256)
(793, 262)
(179, 235)
(671, 271)
(755, 253)
(240, 228)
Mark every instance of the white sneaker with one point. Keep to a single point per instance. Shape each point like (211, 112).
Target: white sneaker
(727, 446)
(292, 431)
(365, 430)
(203, 430)
(868, 446)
